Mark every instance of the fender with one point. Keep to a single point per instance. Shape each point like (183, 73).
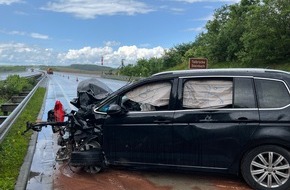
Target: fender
(88, 158)
(88, 139)
(271, 133)
(265, 134)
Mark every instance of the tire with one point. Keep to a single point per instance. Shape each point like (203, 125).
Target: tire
(267, 168)
(93, 169)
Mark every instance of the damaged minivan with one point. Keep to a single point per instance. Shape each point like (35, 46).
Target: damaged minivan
(233, 121)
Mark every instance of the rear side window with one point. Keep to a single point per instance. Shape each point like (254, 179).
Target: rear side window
(272, 93)
(213, 93)
(207, 93)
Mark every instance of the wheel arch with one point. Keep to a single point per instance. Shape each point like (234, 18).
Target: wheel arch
(260, 173)
(255, 143)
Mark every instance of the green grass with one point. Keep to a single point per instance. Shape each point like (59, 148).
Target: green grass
(14, 147)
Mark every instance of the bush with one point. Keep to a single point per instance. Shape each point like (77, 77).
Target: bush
(14, 84)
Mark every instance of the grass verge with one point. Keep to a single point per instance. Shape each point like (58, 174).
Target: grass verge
(14, 147)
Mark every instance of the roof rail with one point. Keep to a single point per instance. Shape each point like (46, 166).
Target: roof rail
(258, 70)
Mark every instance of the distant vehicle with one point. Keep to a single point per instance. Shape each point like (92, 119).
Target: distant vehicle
(49, 71)
(220, 120)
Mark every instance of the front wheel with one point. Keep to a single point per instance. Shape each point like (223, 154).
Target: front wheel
(89, 157)
(267, 168)
(90, 146)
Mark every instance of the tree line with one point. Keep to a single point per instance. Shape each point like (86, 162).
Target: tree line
(251, 33)
(4, 69)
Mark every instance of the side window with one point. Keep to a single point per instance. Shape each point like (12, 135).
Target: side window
(272, 94)
(244, 96)
(148, 97)
(106, 106)
(207, 93)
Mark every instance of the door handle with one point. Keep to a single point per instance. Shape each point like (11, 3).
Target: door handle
(162, 120)
(245, 119)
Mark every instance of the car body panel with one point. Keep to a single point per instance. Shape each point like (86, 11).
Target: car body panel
(139, 137)
(217, 135)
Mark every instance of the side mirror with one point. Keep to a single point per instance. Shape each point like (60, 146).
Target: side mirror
(114, 109)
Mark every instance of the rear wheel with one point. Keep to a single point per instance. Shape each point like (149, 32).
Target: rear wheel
(90, 146)
(267, 167)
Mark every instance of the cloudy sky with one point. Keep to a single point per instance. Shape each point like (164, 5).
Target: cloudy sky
(63, 32)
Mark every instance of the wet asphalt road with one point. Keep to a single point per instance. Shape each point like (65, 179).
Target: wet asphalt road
(47, 174)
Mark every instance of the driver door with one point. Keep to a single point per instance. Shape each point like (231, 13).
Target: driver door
(144, 134)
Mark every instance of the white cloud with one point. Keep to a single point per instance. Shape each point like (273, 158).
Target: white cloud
(39, 36)
(21, 33)
(209, 7)
(112, 58)
(23, 54)
(206, 18)
(112, 43)
(8, 2)
(89, 9)
(197, 29)
(14, 32)
(21, 13)
(87, 53)
(174, 10)
(134, 53)
(177, 10)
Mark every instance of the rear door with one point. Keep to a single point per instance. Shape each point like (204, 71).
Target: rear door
(274, 106)
(216, 117)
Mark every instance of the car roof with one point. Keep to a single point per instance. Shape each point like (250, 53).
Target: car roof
(229, 72)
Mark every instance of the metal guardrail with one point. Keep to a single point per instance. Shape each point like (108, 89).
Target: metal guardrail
(7, 123)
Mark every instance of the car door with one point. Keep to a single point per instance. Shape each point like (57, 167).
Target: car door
(142, 135)
(274, 107)
(216, 118)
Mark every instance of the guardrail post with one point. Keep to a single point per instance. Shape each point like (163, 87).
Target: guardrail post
(17, 99)
(8, 107)
(2, 119)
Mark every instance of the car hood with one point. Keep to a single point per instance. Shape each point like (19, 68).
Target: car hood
(90, 91)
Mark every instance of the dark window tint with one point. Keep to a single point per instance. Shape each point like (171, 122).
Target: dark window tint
(244, 96)
(272, 94)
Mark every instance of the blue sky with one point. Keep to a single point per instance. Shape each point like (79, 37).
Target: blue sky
(62, 32)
